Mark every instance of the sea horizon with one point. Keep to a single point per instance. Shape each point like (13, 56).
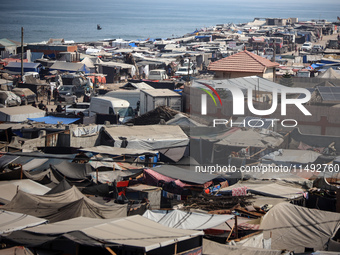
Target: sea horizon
(77, 20)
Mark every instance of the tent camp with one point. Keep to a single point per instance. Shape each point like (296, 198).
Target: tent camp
(134, 233)
(296, 228)
(186, 220)
(61, 206)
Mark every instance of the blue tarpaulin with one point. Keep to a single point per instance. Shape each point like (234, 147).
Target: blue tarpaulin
(54, 120)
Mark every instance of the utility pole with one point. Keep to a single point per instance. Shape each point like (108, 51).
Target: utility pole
(22, 53)
(274, 57)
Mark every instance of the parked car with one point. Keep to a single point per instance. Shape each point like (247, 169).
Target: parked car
(8, 98)
(307, 46)
(157, 74)
(71, 90)
(27, 96)
(182, 71)
(317, 48)
(77, 108)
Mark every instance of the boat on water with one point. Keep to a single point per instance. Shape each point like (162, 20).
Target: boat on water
(99, 27)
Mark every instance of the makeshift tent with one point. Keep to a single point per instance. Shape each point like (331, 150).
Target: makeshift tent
(294, 227)
(134, 231)
(28, 67)
(267, 188)
(11, 221)
(70, 67)
(286, 156)
(329, 74)
(213, 248)
(186, 220)
(186, 175)
(72, 170)
(61, 206)
(54, 120)
(109, 150)
(117, 175)
(151, 137)
(61, 187)
(181, 120)
(17, 250)
(8, 189)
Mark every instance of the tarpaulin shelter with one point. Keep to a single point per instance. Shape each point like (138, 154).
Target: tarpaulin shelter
(11, 221)
(28, 67)
(17, 250)
(72, 170)
(287, 157)
(70, 67)
(267, 188)
(185, 175)
(54, 120)
(295, 228)
(134, 232)
(186, 220)
(62, 206)
(150, 137)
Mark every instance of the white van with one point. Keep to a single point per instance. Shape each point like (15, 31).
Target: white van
(158, 74)
(110, 105)
(132, 96)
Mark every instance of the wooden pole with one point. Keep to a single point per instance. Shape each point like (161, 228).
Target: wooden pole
(175, 252)
(236, 228)
(21, 173)
(22, 53)
(111, 251)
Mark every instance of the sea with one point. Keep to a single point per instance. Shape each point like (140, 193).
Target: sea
(140, 19)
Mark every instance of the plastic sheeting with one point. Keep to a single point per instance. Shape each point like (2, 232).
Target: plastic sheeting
(73, 170)
(54, 120)
(294, 227)
(186, 220)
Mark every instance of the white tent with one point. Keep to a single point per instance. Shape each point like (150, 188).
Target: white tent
(186, 220)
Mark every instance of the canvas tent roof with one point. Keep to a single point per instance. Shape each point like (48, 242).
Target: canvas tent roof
(329, 74)
(54, 120)
(268, 188)
(71, 67)
(134, 231)
(73, 170)
(294, 156)
(184, 174)
(118, 151)
(294, 227)
(213, 248)
(186, 220)
(61, 206)
(11, 221)
(251, 137)
(151, 137)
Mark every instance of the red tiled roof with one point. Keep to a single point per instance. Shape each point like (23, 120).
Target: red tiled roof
(243, 61)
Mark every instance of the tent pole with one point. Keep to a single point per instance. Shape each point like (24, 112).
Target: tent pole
(21, 173)
(111, 251)
(236, 228)
(175, 252)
